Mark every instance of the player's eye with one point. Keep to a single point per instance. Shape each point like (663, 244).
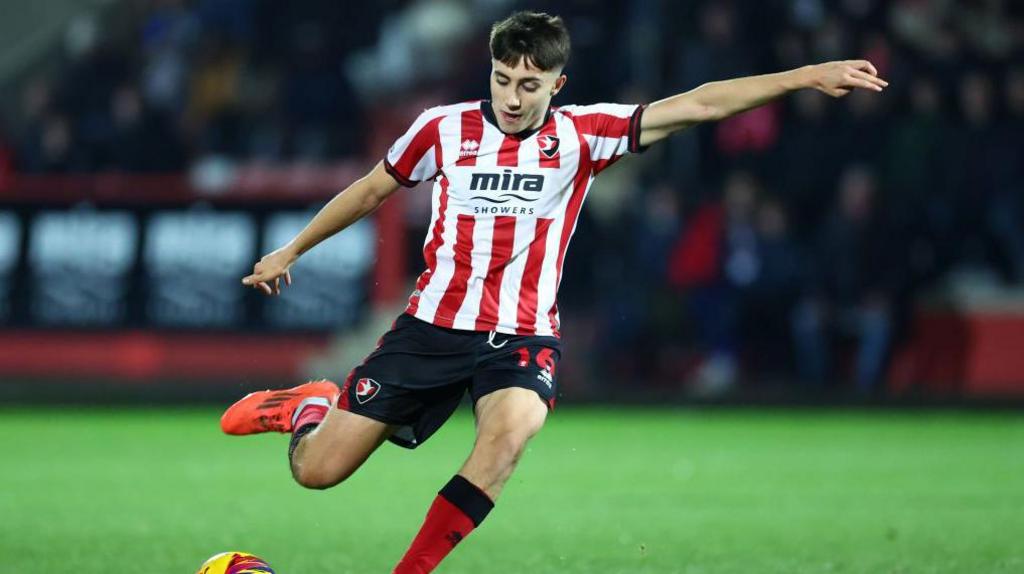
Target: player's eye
(531, 87)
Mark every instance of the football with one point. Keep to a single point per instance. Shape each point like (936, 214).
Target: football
(235, 563)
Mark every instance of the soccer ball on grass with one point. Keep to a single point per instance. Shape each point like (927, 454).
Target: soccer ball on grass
(235, 563)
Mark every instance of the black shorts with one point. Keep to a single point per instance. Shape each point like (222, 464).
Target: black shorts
(419, 372)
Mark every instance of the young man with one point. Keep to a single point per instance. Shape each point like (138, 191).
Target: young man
(510, 176)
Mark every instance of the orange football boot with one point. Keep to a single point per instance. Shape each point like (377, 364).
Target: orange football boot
(272, 411)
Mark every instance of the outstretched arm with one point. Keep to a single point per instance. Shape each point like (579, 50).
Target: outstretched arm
(718, 100)
(356, 201)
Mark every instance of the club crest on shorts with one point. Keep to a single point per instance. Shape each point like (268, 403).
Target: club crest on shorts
(366, 389)
(548, 145)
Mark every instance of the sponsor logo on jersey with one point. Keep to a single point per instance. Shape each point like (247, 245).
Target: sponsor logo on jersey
(366, 389)
(469, 148)
(506, 182)
(502, 210)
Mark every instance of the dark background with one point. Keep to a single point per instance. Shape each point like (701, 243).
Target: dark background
(867, 249)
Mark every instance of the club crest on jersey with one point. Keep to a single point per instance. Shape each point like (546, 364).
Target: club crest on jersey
(548, 145)
(469, 148)
(366, 389)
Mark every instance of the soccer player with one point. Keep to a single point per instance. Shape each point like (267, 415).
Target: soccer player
(510, 176)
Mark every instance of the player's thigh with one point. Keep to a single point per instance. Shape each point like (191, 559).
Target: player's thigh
(510, 414)
(344, 440)
(516, 388)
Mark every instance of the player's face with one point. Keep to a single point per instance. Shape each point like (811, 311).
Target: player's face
(521, 95)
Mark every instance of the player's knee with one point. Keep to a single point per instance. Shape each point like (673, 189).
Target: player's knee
(512, 438)
(522, 428)
(521, 424)
(318, 477)
(508, 446)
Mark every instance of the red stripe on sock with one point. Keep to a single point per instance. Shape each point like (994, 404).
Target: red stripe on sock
(444, 527)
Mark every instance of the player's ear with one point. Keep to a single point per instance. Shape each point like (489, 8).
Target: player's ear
(559, 82)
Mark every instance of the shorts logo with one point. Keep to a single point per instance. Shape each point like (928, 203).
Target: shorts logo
(469, 148)
(546, 362)
(366, 389)
(546, 376)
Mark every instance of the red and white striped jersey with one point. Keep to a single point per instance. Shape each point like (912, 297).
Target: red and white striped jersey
(504, 208)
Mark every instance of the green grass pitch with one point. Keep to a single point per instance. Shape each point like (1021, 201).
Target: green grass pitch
(599, 491)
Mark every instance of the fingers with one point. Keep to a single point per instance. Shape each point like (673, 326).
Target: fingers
(859, 79)
(875, 80)
(865, 66)
(269, 286)
(863, 74)
(266, 279)
(256, 281)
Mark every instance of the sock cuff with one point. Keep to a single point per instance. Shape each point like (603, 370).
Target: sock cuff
(468, 498)
(297, 435)
(319, 405)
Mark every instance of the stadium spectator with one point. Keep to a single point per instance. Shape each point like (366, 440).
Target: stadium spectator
(854, 278)
(715, 258)
(799, 144)
(143, 140)
(1006, 214)
(767, 303)
(912, 169)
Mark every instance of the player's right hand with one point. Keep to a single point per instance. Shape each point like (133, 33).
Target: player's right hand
(838, 78)
(267, 273)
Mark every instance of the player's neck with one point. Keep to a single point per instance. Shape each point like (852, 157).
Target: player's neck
(487, 108)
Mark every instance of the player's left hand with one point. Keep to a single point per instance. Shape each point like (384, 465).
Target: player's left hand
(838, 78)
(268, 272)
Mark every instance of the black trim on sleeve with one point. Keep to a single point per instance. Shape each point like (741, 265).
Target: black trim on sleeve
(468, 498)
(634, 130)
(393, 171)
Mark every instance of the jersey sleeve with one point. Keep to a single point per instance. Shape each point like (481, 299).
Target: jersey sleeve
(416, 156)
(610, 130)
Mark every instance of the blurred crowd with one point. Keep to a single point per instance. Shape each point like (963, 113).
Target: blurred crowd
(794, 239)
(788, 241)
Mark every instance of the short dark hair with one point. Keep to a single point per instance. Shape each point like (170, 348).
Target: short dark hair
(540, 38)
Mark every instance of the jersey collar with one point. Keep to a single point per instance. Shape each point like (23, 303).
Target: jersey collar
(488, 112)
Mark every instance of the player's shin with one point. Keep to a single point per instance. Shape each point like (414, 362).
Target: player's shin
(459, 508)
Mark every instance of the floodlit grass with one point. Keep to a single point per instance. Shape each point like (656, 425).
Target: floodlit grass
(617, 491)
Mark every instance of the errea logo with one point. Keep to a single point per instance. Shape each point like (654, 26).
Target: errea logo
(469, 148)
